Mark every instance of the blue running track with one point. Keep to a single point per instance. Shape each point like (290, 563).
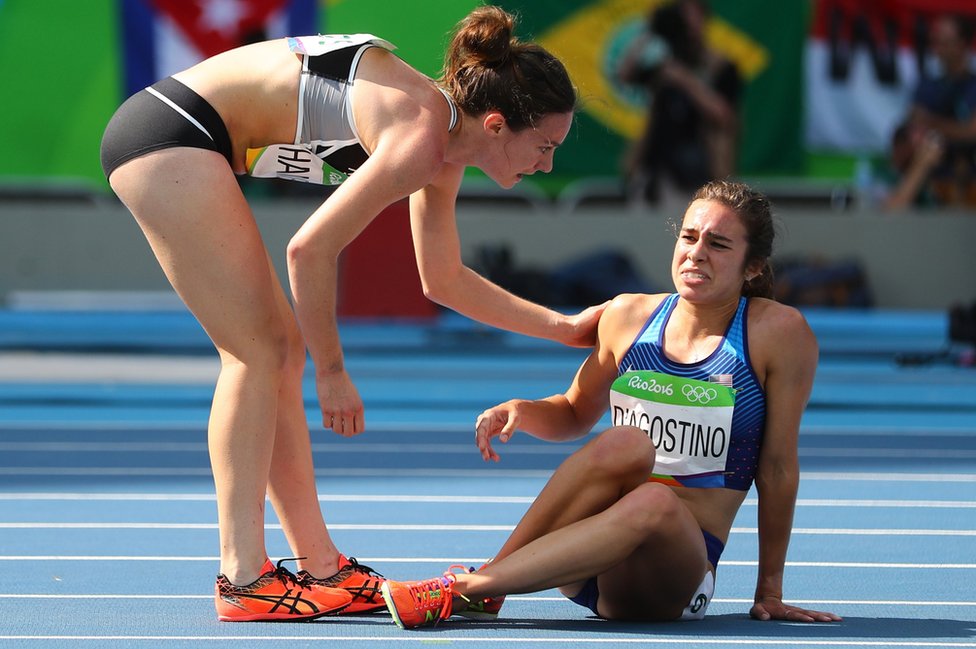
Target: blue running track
(108, 525)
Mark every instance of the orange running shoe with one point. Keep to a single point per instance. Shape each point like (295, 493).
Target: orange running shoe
(420, 603)
(484, 609)
(362, 582)
(277, 595)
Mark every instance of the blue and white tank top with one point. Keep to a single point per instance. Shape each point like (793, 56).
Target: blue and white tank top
(728, 365)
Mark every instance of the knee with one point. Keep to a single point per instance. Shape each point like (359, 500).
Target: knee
(269, 351)
(650, 508)
(622, 450)
(286, 351)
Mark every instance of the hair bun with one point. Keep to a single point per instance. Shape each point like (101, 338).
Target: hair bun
(487, 68)
(486, 35)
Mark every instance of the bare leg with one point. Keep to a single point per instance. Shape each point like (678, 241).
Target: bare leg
(586, 483)
(190, 207)
(292, 486)
(599, 516)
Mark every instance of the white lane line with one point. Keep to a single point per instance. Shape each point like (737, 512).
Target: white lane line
(465, 423)
(900, 477)
(795, 564)
(449, 527)
(363, 448)
(424, 449)
(520, 598)
(814, 531)
(889, 477)
(209, 497)
(863, 564)
(935, 454)
(924, 504)
(139, 425)
(407, 498)
(134, 472)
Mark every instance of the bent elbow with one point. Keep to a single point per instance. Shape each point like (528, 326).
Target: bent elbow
(296, 251)
(435, 291)
(440, 283)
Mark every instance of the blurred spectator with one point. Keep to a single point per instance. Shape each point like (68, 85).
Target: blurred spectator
(692, 125)
(945, 104)
(915, 152)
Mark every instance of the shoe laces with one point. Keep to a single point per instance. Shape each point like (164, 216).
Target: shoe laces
(436, 594)
(306, 578)
(358, 567)
(285, 576)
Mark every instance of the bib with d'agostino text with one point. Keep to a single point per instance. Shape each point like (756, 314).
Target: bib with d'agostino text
(689, 422)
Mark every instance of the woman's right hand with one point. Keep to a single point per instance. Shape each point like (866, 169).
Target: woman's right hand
(583, 326)
(342, 409)
(500, 421)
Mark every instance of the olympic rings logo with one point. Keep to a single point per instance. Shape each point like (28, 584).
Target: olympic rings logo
(698, 393)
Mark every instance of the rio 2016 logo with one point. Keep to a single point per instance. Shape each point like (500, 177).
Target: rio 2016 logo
(651, 385)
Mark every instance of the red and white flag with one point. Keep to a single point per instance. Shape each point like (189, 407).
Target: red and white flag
(863, 61)
(162, 37)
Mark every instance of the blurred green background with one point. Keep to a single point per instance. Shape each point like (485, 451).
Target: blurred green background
(61, 72)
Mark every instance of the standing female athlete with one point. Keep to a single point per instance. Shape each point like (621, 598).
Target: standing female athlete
(318, 109)
(706, 387)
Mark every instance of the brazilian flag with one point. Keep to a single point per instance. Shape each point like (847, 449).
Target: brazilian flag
(53, 128)
(764, 39)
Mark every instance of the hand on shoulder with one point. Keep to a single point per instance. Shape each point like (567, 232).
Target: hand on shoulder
(624, 317)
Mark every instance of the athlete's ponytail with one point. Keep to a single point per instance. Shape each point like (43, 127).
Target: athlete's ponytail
(487, 68)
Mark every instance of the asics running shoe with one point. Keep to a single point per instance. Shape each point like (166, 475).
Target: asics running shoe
(277, 595)
(483, 609)
(420, 603)
(362, 582)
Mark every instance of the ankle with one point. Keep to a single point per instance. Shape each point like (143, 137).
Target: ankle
(321, 566)
(239, 575)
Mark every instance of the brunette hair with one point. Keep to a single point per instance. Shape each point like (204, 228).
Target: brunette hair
(487, 68)
(757, 215)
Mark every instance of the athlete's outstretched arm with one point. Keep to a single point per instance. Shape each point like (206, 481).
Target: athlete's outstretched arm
(572, 414)
(447, 281)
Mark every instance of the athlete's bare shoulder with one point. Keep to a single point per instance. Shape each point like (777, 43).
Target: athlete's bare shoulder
(625, 316)
(393, 100)
(779, 335)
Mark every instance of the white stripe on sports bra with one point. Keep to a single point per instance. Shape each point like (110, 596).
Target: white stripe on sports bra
(454, 112)
(166, 100)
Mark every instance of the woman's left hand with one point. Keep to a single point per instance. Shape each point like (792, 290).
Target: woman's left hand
(773, 608)
(583, 326)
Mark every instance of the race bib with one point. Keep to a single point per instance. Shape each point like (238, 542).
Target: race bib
(305, 162)
(292, 162)
(689, 421)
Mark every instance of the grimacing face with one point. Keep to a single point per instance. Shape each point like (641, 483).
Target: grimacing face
(710, 253)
